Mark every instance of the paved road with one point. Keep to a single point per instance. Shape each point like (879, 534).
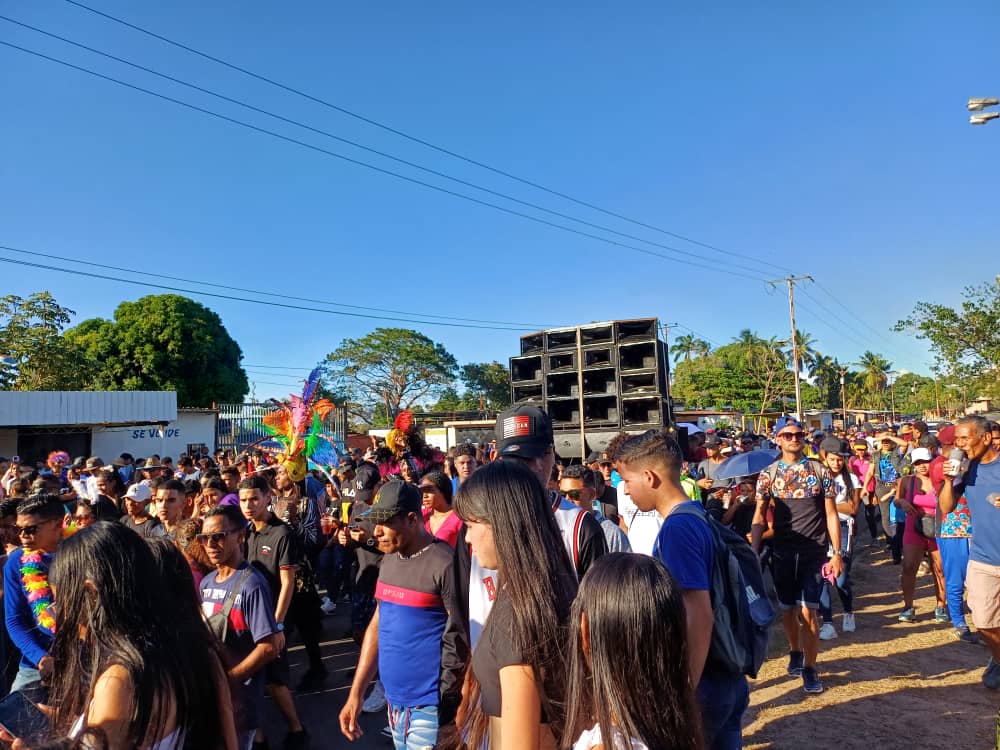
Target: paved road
(319, 709)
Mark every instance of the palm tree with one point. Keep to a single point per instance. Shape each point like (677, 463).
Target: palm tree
(807, 351)
(874, 369)
(826, 373)
(684, 347)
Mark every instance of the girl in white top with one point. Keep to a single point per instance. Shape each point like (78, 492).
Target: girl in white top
(628, 675)
(134, 664)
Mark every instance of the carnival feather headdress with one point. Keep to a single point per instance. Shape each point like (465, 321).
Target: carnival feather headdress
(297, 426)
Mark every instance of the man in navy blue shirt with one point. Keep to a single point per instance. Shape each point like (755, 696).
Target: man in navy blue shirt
(650, 465)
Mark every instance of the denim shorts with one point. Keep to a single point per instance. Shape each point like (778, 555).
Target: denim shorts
(413, 727)
(798, 577)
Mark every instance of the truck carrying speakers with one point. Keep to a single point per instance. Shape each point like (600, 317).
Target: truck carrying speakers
(613, 376)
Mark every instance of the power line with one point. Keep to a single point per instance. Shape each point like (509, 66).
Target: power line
(850, 312)
(373, 167)
(279, 295)
(844, 323)
(414, 139)
(286, 305)
(304, 368)
(361, 146)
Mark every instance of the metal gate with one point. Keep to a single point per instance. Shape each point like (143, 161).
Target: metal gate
(241, 425)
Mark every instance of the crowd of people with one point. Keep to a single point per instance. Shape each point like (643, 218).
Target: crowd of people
(500, 598)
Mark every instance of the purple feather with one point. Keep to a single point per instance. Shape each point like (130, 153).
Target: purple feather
(311, 385)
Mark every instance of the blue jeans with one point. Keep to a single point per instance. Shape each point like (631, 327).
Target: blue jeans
(413, 728)
(954, 561)
(27, 677)
(843, 582)
(723, 699)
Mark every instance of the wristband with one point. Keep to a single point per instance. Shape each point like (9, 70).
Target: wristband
(280, 627)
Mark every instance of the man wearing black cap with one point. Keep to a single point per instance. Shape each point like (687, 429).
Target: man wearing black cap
(415, 632)
(524, 433)
(712, 489)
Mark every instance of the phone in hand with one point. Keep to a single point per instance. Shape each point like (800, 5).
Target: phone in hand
(22, 719)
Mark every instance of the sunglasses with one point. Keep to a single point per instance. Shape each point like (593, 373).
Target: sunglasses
(217, 538)
(427, 488)
(30, 530)
(792, 435)
(573, 494)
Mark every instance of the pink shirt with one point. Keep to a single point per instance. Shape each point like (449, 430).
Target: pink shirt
(448, 531)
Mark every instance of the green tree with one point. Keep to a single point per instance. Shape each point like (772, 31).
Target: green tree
(489, 380)
(874, 378)
(966, 340)
(807, 351)
(34, 356)
(394, 368)
(164, 342)
(688, 346)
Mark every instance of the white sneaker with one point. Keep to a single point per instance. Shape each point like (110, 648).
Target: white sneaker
(328, 606)
(848, 625)
(827, 632)
(375, 701)
(924, 568)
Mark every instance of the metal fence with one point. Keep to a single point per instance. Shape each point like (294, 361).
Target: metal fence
(241, 425)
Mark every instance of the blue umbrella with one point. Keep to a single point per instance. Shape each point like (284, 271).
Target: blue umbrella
(745, 464)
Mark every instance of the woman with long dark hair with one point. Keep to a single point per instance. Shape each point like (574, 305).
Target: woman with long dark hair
(628, 675)
(519, 662)
(440, 518)
(135, 666)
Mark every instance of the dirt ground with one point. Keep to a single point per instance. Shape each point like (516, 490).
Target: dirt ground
(888, 685)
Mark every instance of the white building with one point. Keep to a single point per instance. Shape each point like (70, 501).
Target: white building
(100, 423)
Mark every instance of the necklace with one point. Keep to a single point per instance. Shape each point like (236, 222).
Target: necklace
(35, 579)
(418, 553)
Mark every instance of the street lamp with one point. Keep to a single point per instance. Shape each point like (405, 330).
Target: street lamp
(978, 105)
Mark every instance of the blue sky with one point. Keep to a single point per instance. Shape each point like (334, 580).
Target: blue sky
(826, 141)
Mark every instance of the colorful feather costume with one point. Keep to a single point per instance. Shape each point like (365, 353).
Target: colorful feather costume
(297, 427)
(404, 443)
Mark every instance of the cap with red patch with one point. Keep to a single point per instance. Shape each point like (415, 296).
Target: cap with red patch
(523, 431)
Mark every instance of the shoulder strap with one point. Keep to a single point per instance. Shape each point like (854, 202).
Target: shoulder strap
(227, 606)
(576, 537)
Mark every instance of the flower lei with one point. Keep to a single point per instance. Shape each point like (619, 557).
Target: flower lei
(34, 577)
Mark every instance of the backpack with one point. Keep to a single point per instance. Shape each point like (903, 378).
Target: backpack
(741, 611)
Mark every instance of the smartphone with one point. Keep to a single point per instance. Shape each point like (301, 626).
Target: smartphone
(23, 719)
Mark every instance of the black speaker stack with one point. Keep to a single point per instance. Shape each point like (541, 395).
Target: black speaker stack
(623, 367)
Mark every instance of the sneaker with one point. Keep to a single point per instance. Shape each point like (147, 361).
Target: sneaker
(941, 614)
(907, 615)
(297, 740)
(796, 661)
(375, 701)
(328, 606)
(827, 632)
(966, 636)
(991, 675)
(810, 681)
(924, 568)
(849, 625)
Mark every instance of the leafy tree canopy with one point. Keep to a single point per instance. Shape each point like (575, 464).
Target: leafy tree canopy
(164, 342)
(34, 356)
(394, 368)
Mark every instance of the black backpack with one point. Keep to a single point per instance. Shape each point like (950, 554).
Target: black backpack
(742, 613)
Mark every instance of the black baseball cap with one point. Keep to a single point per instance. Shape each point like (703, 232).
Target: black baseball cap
(392, 499)
(523, 430)
(593, 458)
(365, 482)
(713, 441)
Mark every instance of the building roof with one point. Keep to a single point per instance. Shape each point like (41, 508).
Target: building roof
(73, 408)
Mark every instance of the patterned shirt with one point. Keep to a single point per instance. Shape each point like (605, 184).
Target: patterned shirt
(798, 495)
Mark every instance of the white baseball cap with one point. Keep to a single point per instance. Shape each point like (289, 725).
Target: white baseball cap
(140, 493)
(920, 454)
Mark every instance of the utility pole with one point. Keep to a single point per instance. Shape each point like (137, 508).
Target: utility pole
(666, 353)
(791, 280)
(843, 393)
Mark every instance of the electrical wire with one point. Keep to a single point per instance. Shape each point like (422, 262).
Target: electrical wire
(848, 326)
(279, 295)
(412, 138)
(850, 312)
(286, 305)
(375, 168)
(361, 146)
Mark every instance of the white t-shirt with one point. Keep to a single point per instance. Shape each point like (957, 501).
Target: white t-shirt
(643, 526)
(591, 738)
